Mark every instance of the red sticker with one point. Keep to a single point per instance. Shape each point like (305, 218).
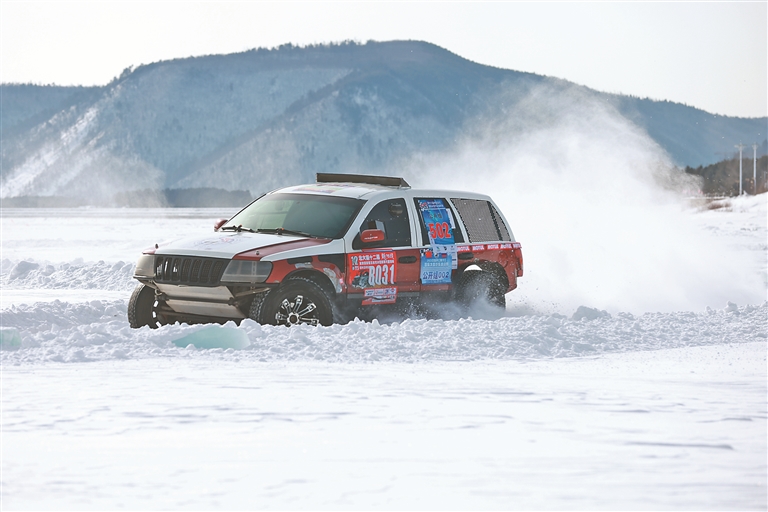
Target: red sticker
(375, 274)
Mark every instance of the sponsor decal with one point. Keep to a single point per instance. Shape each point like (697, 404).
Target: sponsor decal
(375, 273)
(379, 296)
(335, 276)
(215, 241)
(440, 225)
(492, 247)
(448, 251)
(435, 268)
(462, 248)
(478, 247)
(506, 246)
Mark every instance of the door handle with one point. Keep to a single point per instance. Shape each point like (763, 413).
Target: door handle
(406, 259)
(466, 256)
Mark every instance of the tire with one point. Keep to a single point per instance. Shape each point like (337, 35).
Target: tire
(296, 301)
(144, 309)
(481, 294)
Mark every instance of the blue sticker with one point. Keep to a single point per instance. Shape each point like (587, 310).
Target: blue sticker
(438, 221)
(435, 268)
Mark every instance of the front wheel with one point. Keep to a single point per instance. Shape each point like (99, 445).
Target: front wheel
(144, 308)
(297, 301)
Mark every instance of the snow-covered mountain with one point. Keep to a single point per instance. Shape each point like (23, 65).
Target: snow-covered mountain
(266, 118)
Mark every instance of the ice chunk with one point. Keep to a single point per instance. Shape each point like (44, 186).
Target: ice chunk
(21, 269)
(215, 336)
(9, 338)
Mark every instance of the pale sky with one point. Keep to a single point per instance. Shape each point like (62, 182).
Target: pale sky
(711, 55)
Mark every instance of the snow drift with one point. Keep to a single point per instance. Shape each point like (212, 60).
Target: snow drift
(65, 332)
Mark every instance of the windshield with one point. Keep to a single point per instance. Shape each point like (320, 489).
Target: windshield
(320, 216)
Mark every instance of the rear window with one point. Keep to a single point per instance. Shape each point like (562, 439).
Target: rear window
(482, 220)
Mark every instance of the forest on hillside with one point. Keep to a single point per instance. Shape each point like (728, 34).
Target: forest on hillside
(722, 178)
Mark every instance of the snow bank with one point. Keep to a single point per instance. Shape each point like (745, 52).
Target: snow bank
(66, 332)
(748, 204)
(29, 274)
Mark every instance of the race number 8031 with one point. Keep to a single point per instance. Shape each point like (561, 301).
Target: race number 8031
(381, 275)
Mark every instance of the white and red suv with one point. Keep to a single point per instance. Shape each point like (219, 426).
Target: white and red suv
(326, 252)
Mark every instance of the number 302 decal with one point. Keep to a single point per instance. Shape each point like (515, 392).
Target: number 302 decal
(439, 230)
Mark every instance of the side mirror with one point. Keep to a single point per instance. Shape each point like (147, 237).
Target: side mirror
(372, 235)
(218, 224)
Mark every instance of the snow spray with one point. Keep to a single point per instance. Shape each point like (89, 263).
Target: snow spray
(598, 206)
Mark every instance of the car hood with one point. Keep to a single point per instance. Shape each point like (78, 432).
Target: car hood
(227, 245)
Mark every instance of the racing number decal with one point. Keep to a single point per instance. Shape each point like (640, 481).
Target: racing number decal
(438, 261)
(380, 274)
(439, 230)
(374, 273)
(438, 220)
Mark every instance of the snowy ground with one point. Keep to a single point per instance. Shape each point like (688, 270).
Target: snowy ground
(633, 410)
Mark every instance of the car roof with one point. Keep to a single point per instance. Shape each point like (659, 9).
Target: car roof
(369, 192)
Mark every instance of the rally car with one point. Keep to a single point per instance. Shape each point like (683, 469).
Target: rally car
(321, 253)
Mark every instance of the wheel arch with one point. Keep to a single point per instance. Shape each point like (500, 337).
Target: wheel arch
(317, 277)
(488, 266)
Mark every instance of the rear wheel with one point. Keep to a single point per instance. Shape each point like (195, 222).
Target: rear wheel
(297, 301)
(144, 308)
(481, 294)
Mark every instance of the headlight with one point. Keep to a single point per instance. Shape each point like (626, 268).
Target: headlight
(241, 271)
(145, 267)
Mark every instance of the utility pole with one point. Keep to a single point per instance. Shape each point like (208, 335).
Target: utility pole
(741, 174)
(754, 169)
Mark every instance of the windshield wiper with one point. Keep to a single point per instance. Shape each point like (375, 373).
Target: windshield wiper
(237, 229)
(283, 231)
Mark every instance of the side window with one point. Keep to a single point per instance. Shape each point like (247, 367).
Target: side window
(483, 222)
(458, 237)
(390, 216)
(503, 231)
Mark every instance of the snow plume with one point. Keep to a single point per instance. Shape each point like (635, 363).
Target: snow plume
(598, 207)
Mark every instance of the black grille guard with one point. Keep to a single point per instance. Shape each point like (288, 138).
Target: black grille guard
(189, 270)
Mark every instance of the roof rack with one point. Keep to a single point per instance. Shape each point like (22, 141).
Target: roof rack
(387, 181)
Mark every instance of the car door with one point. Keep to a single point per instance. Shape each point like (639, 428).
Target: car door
(441, 243)
(384, 271)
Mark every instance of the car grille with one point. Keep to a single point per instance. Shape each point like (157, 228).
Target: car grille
(189, 270)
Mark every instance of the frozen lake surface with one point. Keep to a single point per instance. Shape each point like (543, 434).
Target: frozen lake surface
(667, 429)
(639, 409)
